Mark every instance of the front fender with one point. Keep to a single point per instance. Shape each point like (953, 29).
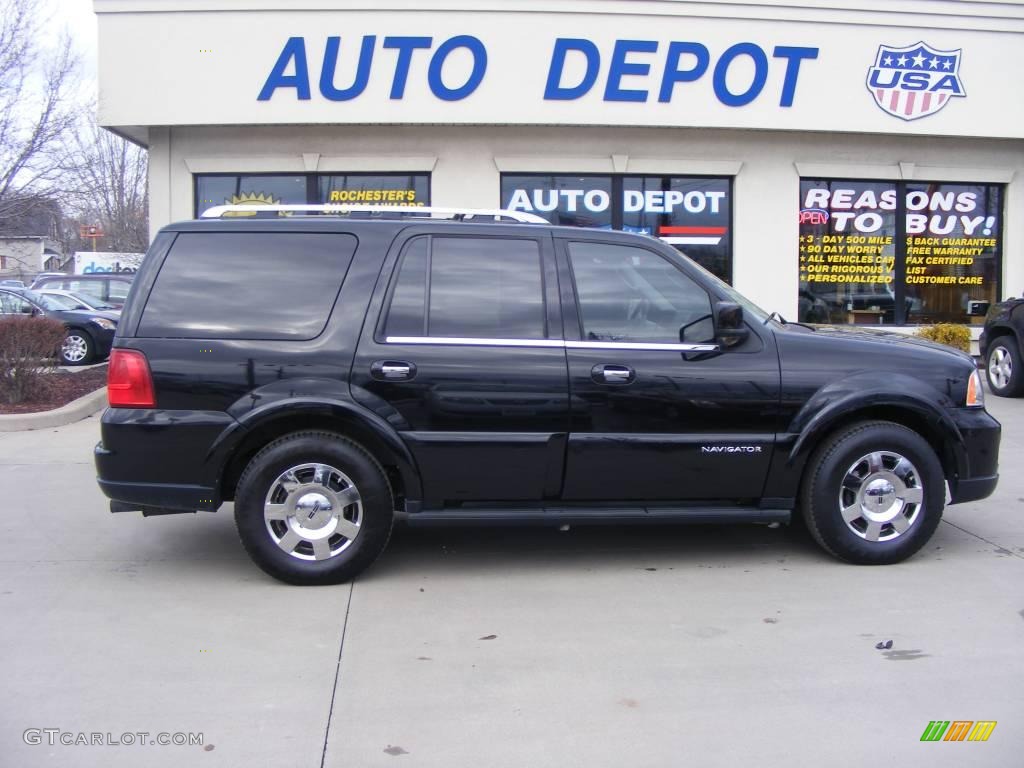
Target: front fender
(836, 401)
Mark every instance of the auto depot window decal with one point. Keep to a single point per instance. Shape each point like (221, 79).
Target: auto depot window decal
(898, 252)
(691, 213)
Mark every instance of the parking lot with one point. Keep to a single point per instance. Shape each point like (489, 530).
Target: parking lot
(606, 646)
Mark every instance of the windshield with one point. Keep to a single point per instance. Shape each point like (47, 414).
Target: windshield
(750, 309)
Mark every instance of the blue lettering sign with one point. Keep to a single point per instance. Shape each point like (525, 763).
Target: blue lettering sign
(405, 46)
(294, 51)
(476, 48)
(330, 64)
(673, 74)
(555, 91)
(684, 62)
(620, 67)
(722, 91)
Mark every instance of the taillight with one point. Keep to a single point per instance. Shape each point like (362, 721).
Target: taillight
(129, 382)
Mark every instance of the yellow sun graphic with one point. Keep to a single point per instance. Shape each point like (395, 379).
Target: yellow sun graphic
(251, 198)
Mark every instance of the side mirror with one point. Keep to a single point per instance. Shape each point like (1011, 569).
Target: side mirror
(730, 329)
(28, 309)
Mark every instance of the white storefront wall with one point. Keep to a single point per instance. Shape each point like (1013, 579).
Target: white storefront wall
(188, 84)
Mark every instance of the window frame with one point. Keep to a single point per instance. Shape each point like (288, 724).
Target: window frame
(380, 336)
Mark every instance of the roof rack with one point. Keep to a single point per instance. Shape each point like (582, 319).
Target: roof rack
(384, 211)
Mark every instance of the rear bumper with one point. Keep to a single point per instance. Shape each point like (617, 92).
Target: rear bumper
(159, 459)
(978, 459)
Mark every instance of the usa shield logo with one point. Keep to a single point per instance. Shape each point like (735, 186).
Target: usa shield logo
(915, 81)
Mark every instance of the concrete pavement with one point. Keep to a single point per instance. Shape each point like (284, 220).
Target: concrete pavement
(606, 646)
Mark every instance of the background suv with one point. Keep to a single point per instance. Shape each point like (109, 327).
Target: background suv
(1000, 345)
(331, 374)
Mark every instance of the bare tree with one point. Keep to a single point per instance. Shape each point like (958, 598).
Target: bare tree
(105, 184)
(38, 106)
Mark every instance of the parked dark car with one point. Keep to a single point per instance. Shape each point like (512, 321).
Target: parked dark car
(333, 374)
(109, 287)
(1000, 344)
(89, 333)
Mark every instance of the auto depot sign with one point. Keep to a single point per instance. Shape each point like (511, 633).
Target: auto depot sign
(532, 67)
(629, 61)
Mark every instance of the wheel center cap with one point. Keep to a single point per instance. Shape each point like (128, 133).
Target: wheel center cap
(879, 495)
(313, 510)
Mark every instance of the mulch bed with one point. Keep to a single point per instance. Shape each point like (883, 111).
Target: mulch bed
(62, 387)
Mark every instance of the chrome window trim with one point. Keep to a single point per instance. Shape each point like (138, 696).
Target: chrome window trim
(551, 343)
(653, 346)
(474, 342)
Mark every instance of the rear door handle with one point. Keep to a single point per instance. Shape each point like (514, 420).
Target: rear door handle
(613, 374)
(392, 370)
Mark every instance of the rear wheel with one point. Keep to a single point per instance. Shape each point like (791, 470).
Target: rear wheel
(873, 493)
(1003, 368)
(313, 508)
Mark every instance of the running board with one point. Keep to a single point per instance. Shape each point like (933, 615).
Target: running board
(556, 516)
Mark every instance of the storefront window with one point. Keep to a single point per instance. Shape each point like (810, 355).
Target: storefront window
(375, 189)
(691, 213)
(570, 201)
(895, 252)
(953, 245)
(352, 188)
(245, 189)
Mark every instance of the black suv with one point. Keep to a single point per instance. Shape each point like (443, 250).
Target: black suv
(1000, 345)
(331, 374)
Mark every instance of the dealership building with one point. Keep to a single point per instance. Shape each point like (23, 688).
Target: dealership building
(837, 164)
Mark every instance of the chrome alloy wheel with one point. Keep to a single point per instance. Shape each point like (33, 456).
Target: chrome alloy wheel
(75, 348)
(881, 496)
(313, 511)
(1000, 367)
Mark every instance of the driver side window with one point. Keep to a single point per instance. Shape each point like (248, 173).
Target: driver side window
(12, 304)
(631, 294)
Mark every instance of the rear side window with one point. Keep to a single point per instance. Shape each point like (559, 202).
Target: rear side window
(468, 287)
(118, 289)
(234, 285)
(92, 288)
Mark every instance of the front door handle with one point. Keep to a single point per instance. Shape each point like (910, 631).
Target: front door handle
(392, 370)
(613, 374)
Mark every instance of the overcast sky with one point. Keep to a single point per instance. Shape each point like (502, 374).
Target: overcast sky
(77, 17)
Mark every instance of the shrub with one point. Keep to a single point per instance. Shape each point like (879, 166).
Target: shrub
(28, 348)
(950, 334)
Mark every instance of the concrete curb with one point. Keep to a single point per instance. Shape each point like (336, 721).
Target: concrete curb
(76, 410)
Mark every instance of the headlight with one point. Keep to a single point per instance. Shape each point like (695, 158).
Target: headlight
(102, 322)
(975, 392)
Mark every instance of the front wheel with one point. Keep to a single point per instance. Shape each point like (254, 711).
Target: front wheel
(77, 348)
(313, 508)
(1003, 369)
(873, 493)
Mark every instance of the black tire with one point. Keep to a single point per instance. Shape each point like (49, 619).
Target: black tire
(335, 451)
(822, 497)
(1002, 355)
(76, 340)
